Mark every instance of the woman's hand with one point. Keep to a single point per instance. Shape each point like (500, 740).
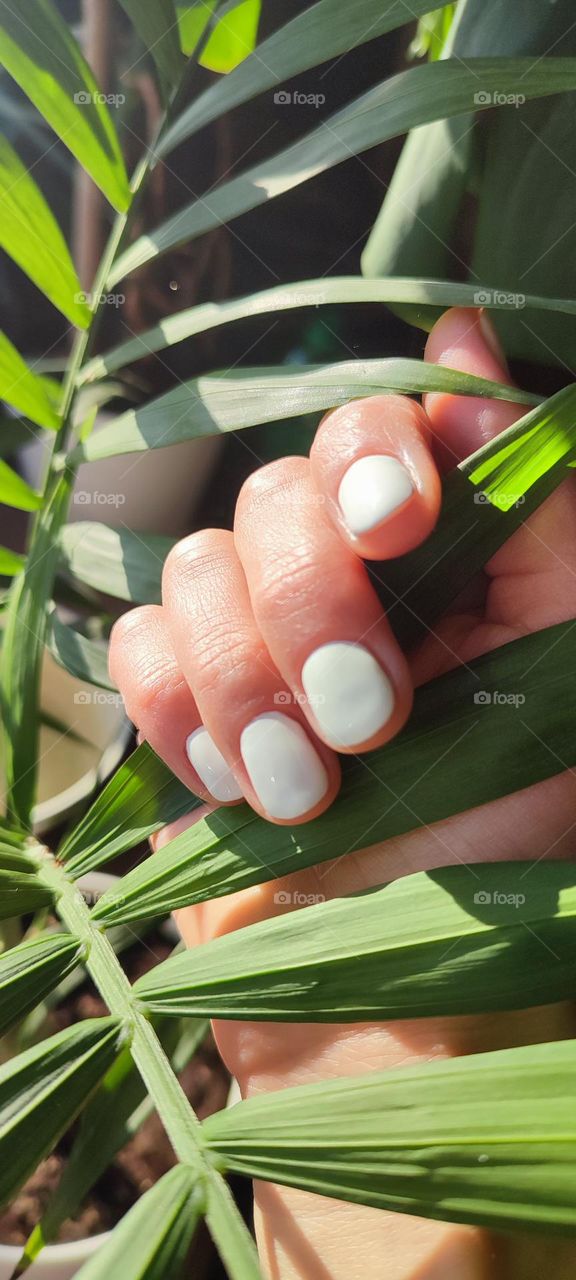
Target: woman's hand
(271, 656)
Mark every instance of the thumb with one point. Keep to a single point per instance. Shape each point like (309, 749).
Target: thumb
(465, 339)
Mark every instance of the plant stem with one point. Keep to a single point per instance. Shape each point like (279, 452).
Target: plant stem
(181, 1123)
(177, 1115)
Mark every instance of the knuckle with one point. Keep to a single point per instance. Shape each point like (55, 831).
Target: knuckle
(263, 485)
(196, 556)
(143, 668)
(130, 629)
(288, 577)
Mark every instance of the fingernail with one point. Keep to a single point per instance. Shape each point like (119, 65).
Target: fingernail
(349, 693)
(287, 774)
(211, 766)
(491, 338)
(371, 489)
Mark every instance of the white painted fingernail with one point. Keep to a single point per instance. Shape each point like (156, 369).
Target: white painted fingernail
(211, 766)
(371, 489)
(287, 774)
(348, 692)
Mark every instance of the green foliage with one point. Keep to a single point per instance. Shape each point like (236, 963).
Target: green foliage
(487, 1139)
(456, 1140)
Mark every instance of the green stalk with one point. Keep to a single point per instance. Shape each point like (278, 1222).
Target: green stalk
(31, 591)
(177, 1115)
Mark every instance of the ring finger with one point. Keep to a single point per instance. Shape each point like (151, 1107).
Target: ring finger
(246, 709)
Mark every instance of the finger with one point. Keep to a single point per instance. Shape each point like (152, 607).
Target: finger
(159, 702)
(372, 463)
(533, 575)
(242, 699)
(317, 611)
(465, 339)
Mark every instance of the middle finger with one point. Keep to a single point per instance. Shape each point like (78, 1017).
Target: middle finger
(317, 612)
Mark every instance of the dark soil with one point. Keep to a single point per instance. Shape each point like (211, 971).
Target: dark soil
(145, 1158)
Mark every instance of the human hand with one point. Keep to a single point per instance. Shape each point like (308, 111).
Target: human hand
(244, 650)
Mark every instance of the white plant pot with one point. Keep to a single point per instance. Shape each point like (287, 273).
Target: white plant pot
(70, 770)
(56, 1262)
(152, 492)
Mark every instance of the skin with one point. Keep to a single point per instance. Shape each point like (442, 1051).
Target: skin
(240, 613)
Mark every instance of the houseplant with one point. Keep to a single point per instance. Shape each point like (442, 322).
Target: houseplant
(337, 1138)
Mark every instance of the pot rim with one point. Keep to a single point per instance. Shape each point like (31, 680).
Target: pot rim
(65, 1252)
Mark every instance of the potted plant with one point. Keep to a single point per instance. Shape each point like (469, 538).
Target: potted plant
(350, 1139)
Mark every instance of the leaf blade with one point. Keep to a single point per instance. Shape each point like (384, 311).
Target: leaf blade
(420, 293)
(403, 1140)
(38, 1102)
(157, 25)
(152, 1240)
(30, 971)
(141, 797)
(23, 389)
(43, 57)
(223, 402)
(20, 892)
(428, 945)
(117, 561)
(31, 236)
(325, 30)
(411, 98)
(16, 492)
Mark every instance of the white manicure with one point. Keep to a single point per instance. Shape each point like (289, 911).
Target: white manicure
(211, 766)
(349, 694)
(284, 769)
(371, 489)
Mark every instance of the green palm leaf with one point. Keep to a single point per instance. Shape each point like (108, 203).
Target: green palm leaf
(39, 51)
(489, 1139)
(436, 90)
(222, 402)
(461, 940)
(30, 234)
(421, 294)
